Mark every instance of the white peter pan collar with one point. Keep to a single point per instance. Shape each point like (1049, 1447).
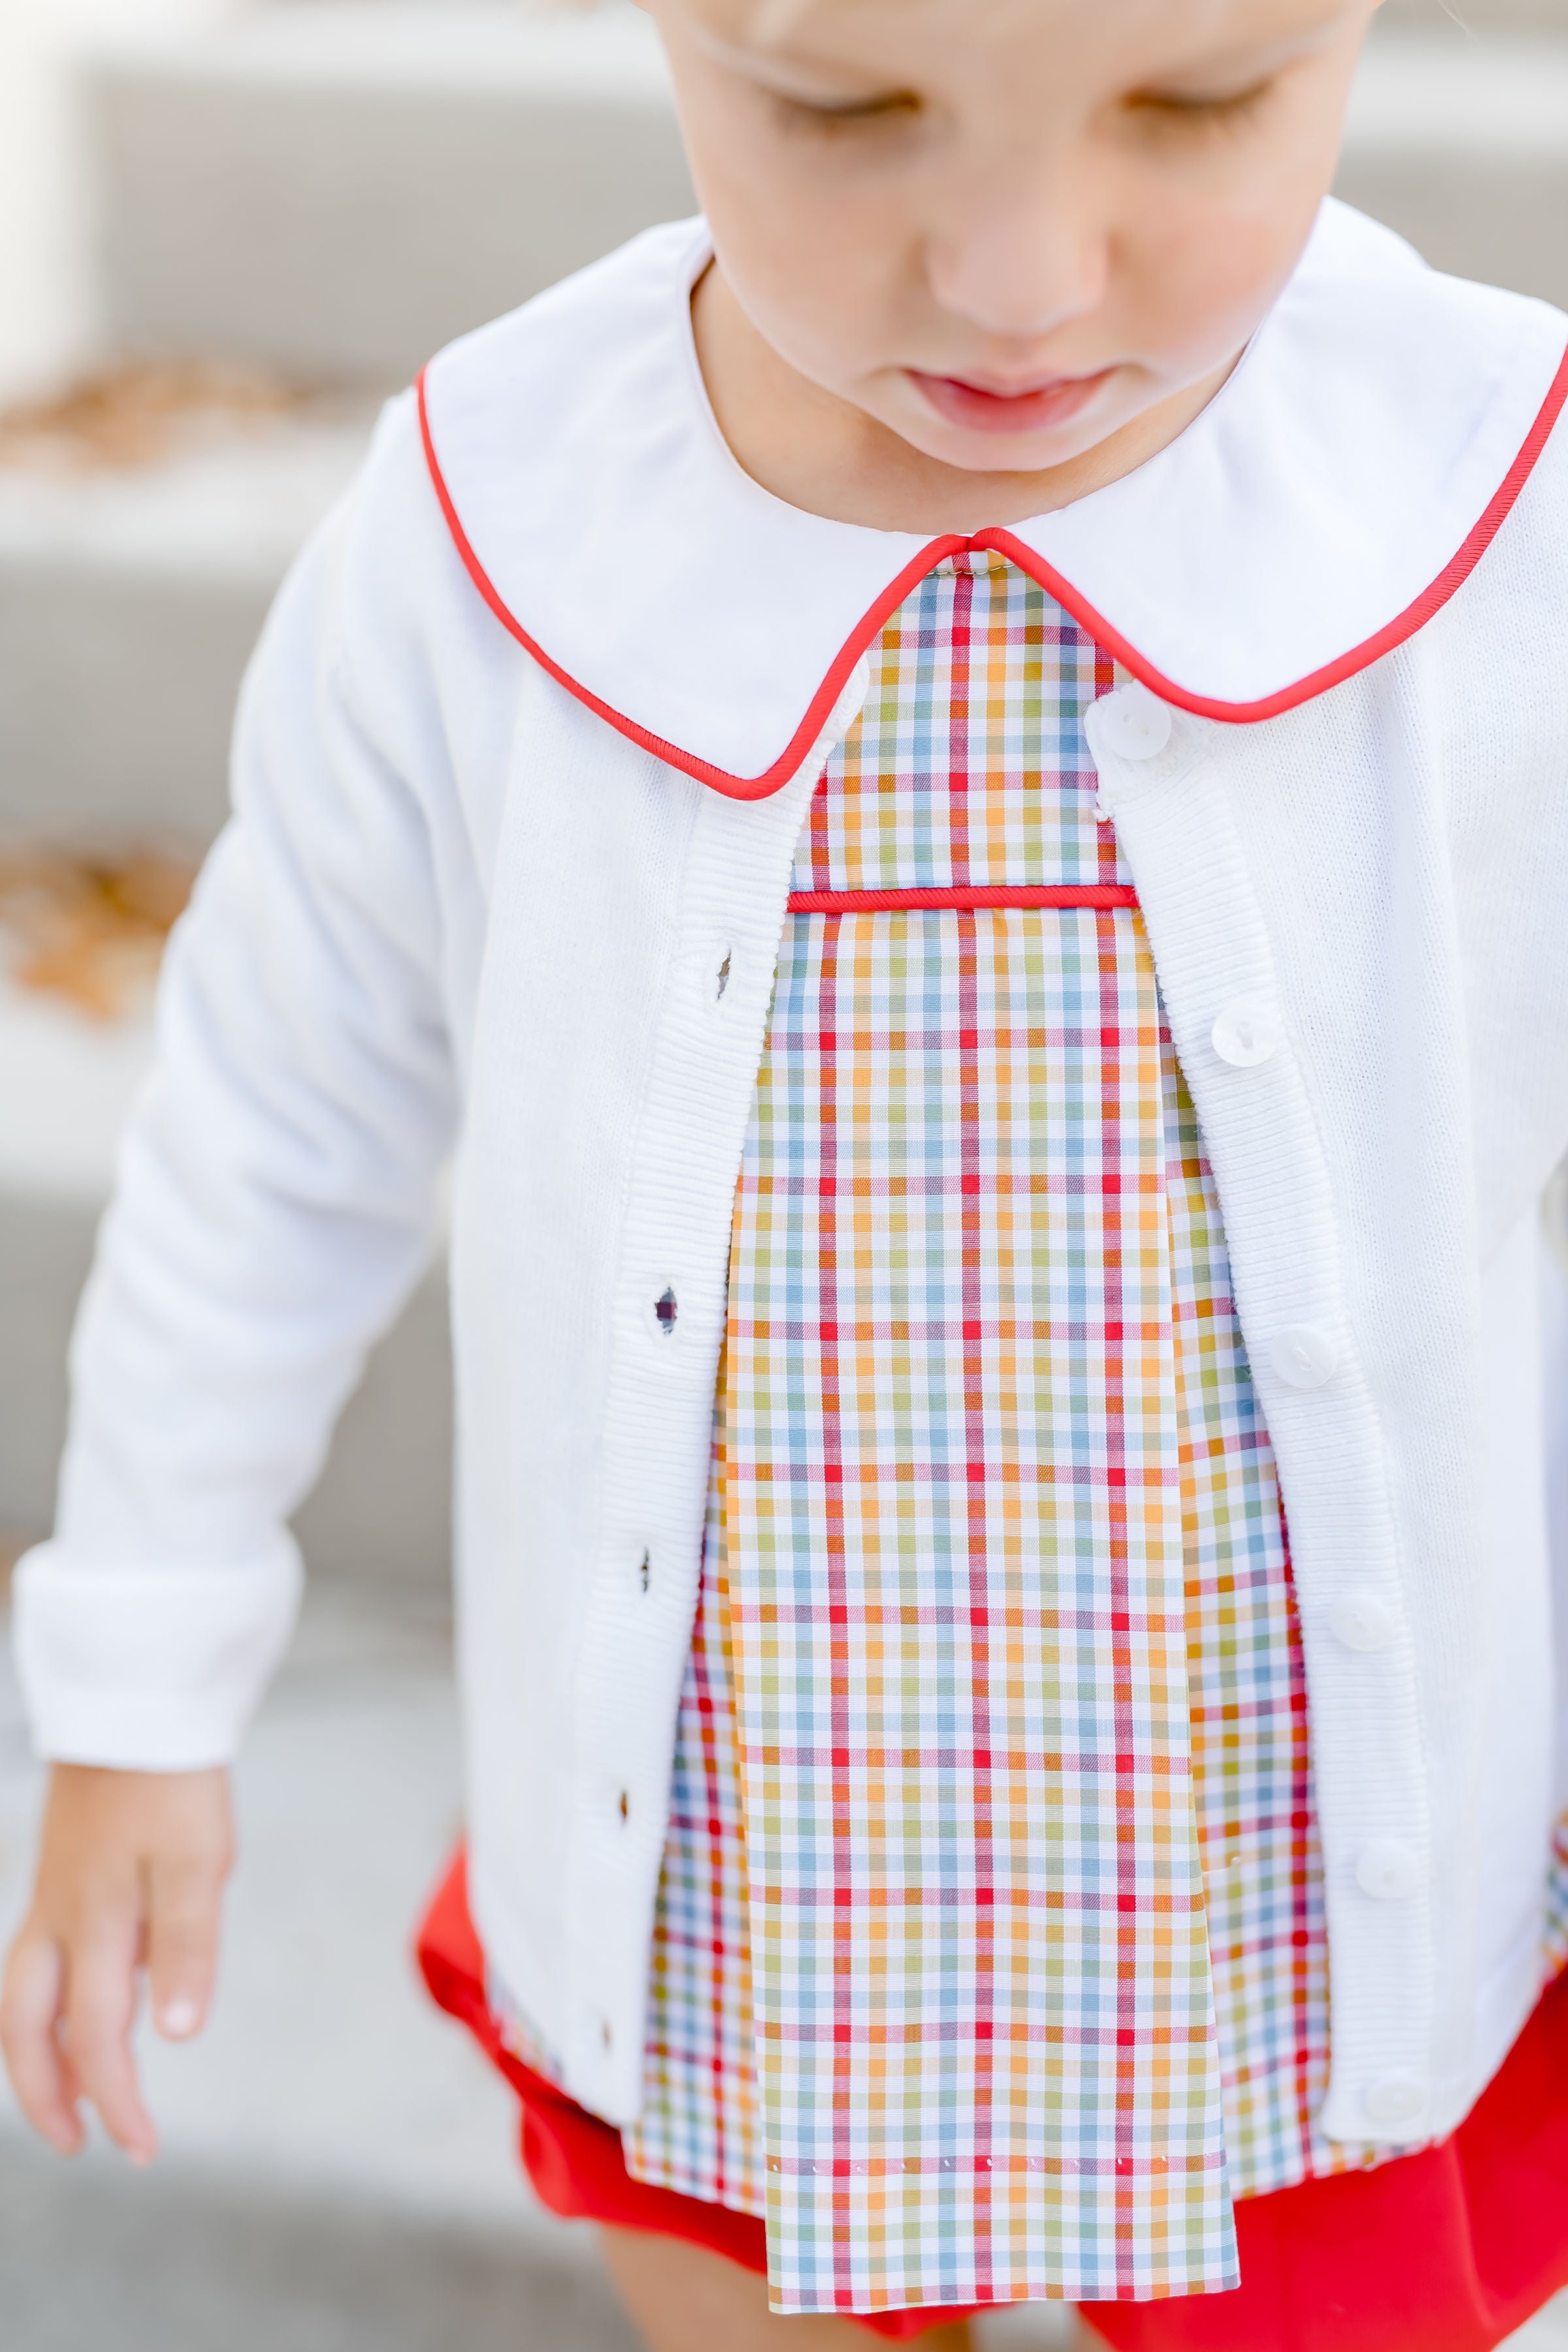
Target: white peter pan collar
(1332, 497)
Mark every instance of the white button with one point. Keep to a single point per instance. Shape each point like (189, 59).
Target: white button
(1395, 2100)
(1133, 723)
(1388, 1870)
(1361, 1623)
(1304, 1355)
(1246, 1033)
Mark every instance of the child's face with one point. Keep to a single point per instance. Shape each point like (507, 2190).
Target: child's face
(1008, 228)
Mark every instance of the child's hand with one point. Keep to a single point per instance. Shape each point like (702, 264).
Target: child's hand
(130, 1874)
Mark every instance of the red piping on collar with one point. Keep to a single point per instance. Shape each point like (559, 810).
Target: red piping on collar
(1003, 542)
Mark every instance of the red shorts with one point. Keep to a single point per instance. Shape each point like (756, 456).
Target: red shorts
(1449, 2250)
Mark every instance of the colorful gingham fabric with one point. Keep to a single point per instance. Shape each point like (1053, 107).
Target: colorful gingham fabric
(952, 1542)
(990, 1958)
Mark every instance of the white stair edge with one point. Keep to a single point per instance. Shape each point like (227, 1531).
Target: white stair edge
(1425, 92)
(66, 1082)
(238, 508)
(490, 49)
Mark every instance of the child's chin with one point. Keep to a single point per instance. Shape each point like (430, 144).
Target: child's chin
(995, 453)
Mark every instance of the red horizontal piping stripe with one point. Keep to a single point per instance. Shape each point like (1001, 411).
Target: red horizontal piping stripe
(1109, 640)
(1101, 896)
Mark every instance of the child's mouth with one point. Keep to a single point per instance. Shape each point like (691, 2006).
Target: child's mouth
(1030, 409)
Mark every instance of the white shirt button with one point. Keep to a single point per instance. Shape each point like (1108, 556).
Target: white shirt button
(1388, 1870)
(1132, 723)
(1361, 1621)
(1246, 1033)
(1303, 1356)
(1395, 2100)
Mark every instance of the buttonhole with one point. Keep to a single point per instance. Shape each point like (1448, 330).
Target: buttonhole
(666, 1310)
(645, 1570)
(724, 973)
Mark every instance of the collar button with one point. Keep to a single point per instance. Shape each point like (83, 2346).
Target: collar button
(1132, 723)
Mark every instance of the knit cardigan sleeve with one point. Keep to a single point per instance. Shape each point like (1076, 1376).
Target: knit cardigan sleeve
(273, 1208)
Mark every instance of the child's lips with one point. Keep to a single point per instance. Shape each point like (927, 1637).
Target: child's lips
(1032, 409)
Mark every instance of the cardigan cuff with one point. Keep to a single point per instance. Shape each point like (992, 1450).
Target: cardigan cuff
(154, 1670)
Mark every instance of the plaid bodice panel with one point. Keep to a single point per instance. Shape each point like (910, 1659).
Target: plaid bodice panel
(990, 1957)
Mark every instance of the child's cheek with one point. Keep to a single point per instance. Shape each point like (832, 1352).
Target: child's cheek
(1199, 276)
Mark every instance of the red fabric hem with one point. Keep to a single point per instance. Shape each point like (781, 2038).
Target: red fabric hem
(1446, 2250)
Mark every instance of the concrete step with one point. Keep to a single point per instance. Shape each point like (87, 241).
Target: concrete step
(341, 189)
(182, 2263)
(129, 599)
(1468, 19)
(1463, 147)
(382, 1510)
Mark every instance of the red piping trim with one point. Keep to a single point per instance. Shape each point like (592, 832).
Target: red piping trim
(1109, 640)
(736, 788)
(1101, 896)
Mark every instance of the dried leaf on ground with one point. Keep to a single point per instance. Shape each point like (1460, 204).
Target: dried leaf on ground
(89, 926)
(138, 412)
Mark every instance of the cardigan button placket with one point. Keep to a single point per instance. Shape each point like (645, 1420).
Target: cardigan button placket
(1361, 1621)
(1396, 2100)
(1246, 1033)
(1388, 1871)
(1132, 723)
(1304, 1356)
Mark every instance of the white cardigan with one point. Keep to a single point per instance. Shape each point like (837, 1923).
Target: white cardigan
(522, 763)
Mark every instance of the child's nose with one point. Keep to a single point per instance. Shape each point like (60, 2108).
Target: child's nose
(1023, 264)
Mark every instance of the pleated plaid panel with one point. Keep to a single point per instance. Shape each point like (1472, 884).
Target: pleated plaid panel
(1263, 1865)
(987, 2057)
(988, 2062)
(1252, 1777)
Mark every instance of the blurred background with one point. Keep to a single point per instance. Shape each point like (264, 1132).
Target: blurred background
(227, 229)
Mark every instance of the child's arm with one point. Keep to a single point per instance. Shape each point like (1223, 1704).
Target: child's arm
(273, 1207)
(130, 1873)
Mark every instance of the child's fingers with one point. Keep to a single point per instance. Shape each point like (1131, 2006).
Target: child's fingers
(100, 2007)
(29, 2016)
(185, 1900)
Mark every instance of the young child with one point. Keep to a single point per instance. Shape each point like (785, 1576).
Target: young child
(956, 783)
